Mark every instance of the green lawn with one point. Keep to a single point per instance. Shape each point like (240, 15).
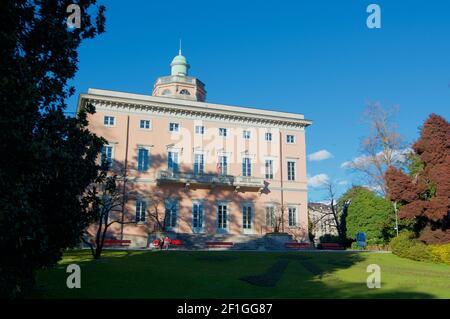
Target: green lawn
(224, 274)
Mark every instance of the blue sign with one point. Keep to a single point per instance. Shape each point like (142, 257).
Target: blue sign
(361, 239)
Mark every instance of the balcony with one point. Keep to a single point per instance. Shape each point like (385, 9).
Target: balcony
(249, 181)
(194, 179)
(165, 176)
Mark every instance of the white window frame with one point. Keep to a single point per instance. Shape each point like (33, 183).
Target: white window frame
(252, 218)
(200, 203)
(223, 168)
(177, 161)
(223, 230)
(148, 159)
(266, 136)
(223, 130)
(173, 203)
(175, 124)
(295, 170)
(140, 200)
(287, 139)
(289, 216)
(112, 154)
(145, 128)
(200, 129)
(273, 213)
(109, 117)
(249, 158)
(246, 134)
(271, 170)
(200, 172)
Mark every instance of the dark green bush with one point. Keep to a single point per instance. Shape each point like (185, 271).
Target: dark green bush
(327, 238)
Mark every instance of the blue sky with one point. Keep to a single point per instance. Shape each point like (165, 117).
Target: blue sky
(312, 57)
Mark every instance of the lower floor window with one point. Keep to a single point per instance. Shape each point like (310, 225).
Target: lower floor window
(171, 214)
(222, 216)
(197, 215)
(270, 216)
(141, 207)
(292, 216)
(247, 217)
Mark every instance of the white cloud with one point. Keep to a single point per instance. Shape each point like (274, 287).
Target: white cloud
(318, 180)
(399, 156)
(343, 183)
(320, 155)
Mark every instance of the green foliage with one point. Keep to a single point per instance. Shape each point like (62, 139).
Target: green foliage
(48, 159)
(369, 213)
(407, 246)
(327, 238)
(440, 253)
(414, 164)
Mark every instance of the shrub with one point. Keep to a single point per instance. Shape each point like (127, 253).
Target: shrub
(420, 252)
(440, 253)
(328, 238)
(407, 246)
(400, 245)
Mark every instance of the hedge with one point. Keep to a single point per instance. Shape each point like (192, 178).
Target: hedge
(406, 246)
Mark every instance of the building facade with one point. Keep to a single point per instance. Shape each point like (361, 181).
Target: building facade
(195, 167)
(322, 221)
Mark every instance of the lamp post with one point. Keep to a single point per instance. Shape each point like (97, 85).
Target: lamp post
(396, 217)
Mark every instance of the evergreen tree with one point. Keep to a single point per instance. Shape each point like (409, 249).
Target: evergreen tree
(48, 159)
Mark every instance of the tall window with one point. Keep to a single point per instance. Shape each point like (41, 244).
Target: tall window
(109, 120)
(292, 216)
(247, 217)
(107, 151)
(246, 134)
(197, 215)
(223, 132)
(222, 166)
(290, 139)
(198, 164)
(141, 208)
(199, 129)
(172, 161)
(174, 127)
(246, 167)
(270, 216)
(291, 170)
(171, 214)
(222, 216)
(268, 136)
(269, 169)
(142, 159)
(145, 124)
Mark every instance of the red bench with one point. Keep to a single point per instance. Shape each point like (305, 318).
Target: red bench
(176, 242)
(297, 245)
(116, 242)
(173, 242)
(332, 246)
(215, 244)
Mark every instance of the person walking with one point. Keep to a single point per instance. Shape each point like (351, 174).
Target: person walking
(166, 243)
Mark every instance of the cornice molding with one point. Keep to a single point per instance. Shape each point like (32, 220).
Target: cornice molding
(190, 112)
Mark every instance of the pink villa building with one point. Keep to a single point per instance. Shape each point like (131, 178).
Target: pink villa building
(209, 170)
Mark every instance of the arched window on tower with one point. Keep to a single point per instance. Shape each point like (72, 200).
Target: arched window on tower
(184, 92)
(166, 92)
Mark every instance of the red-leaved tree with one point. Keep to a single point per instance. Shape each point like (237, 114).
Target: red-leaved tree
(425, 195)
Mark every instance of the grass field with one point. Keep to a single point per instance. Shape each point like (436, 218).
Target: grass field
(222, 274)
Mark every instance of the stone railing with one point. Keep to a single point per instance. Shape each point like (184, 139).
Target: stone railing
(212, 179)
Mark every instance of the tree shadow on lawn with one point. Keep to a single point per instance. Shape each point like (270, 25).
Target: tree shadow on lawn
(287, 275)
(316, 268)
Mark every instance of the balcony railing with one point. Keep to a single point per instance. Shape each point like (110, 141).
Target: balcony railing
(175, 78)
(180, 177)
(211, 179)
